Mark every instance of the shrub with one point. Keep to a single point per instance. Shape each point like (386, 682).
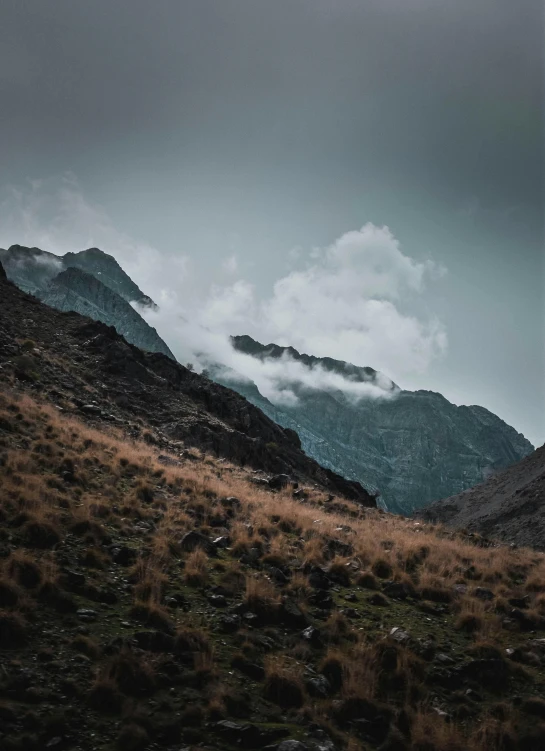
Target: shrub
(282, 685)
(382, 569)
(368, 580)
(40, 534)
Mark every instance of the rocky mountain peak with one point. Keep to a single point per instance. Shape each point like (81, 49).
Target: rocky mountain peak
(105, 267)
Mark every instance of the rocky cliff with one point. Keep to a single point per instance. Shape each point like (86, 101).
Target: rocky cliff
(412, 447)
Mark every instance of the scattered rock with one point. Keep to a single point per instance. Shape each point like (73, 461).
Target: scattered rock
(292, 615)
(251, 669)
(318, 687)
(220, 543)
(483, 593)
(123, 555)
(399, 635)
(86, 614)
(193, 540)
(218, 601)
(278, 482)
(318, 578)
(378, 599)
(312, 635)
(155, 641)
(91, 409)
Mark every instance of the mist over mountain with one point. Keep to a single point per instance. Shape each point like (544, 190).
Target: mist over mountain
(413, 447)
(31, 268)
(410, 447)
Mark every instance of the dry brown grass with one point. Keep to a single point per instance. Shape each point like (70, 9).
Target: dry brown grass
(196, 570)
(66, 478)
(283, 682)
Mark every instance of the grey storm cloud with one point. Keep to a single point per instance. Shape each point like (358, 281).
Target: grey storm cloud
(234, 132)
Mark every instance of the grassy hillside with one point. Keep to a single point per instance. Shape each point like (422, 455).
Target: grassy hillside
(151, 600)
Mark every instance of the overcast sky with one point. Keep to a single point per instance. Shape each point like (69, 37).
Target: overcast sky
(262, 147)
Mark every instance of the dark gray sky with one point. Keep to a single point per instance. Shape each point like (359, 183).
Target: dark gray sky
(242, 129)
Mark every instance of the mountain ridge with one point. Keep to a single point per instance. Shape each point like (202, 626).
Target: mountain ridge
(98, 371)
(413, 448)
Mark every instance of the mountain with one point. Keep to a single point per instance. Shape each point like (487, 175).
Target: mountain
(158, 596)
(510, 505)
(90, 282)
(77, 290)
(98, 371)
(412, 447)
(30, 268)
(103, 266)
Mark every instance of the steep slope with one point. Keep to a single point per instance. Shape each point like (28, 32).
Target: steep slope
(105, 376)
(158, 599)
(76, 290)
(413, 447)
(510, 505)
(91, 283)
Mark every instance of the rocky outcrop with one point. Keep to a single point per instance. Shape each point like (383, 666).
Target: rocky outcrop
(77, 290)
(412, 447)
(510, 505)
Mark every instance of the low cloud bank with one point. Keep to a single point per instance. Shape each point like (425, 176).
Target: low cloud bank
(345, 302)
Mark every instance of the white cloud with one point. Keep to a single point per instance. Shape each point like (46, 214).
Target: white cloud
(347, 304)
(350, 300)
(230, 265)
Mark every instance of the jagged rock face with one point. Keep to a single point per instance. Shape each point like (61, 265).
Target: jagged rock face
(413, 447)
(76, 290)
(91, 283)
